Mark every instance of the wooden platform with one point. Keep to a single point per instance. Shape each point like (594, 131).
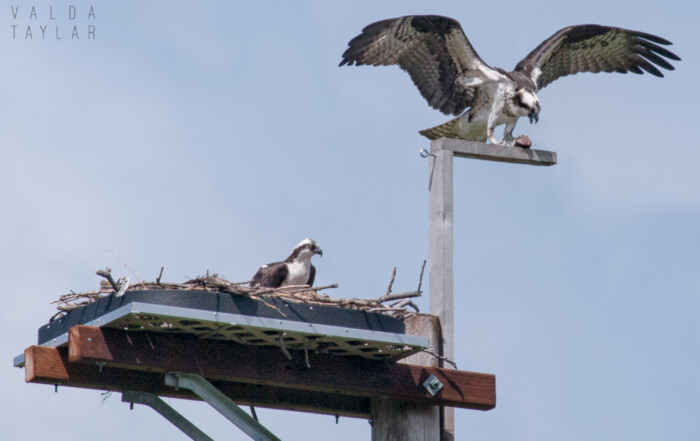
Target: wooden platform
(109, 359)
(269, 353)
(244, 320)
(491, 152)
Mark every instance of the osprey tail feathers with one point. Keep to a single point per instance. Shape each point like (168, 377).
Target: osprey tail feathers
(450, 129)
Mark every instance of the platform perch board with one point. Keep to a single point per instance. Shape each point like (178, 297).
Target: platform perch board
(490, 152)
(221, 316)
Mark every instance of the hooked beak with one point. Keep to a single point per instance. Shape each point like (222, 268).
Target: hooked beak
(319, 251)
(534, 114)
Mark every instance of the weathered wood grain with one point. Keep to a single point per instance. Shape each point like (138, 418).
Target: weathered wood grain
(227, 361)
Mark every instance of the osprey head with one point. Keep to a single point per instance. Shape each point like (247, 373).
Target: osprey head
(305, 249)
(529, 103)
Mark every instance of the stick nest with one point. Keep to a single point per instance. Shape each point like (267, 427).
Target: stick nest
(390, 304)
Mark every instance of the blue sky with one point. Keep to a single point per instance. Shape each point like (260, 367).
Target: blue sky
(216, 135)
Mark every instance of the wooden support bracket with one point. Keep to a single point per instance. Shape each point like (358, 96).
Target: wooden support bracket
(105, 359)
(231, 362)
(48, 365)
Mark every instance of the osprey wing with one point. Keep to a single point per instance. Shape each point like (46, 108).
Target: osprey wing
(595, 48)
(435, 53)
(270, 276)
(312, 276)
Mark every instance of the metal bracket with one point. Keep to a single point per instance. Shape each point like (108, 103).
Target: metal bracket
(432, 384)
(223, 404)
(166, 411)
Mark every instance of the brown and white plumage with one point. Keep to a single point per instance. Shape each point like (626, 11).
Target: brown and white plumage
(433, 50)
(294, 270)
(595, 48)
(453, 78)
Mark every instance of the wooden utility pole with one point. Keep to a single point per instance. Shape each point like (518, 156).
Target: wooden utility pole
(440, 256)
(402, 420)
(441, 231)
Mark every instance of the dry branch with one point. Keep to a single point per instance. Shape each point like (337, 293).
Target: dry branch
(391, 282)
(107, 274)
(403, 295)
(420, 280)
(440, 357)
(159, 276)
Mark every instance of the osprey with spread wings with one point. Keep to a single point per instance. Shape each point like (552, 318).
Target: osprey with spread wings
(453, 78)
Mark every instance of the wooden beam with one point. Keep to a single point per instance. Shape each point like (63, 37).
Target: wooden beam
(441, 257)
(49, 365)
(441, 250)
(394, 419)
(441, 230)
(228, 361)
(491, 152)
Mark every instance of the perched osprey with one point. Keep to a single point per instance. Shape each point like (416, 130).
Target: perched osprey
(453, 78)
(294, 270)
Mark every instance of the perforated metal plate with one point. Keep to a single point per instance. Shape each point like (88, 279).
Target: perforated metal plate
(266, 332)
(329, 330)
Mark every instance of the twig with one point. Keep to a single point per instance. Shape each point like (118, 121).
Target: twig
(274, 307)
(386, 309)
(306, 357)
(291, 289)
(440, 357)
(402, 295)
(391, 282)
(284, 349)
(403, 303)
(73, 296)
(159, 276)
(107, 274)
(57, 315)
(420, 280)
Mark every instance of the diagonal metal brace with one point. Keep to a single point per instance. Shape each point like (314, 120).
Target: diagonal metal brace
(216, 399)
(170, 414)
